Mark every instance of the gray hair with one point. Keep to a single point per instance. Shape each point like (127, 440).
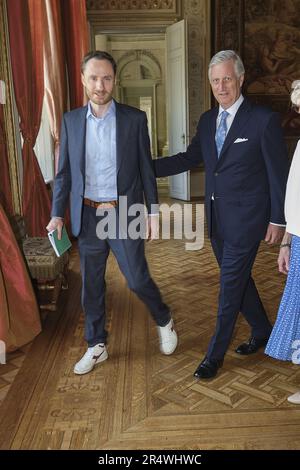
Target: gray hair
(224, 56)
(295, 94)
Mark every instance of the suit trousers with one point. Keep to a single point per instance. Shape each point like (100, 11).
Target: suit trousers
(130, 255)
(238, 293)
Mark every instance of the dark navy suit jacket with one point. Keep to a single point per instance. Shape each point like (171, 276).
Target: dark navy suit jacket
(248, 179)
(135, 173)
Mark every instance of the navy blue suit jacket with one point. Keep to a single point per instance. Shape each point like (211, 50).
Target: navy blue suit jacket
(248, 179)
(135, 173)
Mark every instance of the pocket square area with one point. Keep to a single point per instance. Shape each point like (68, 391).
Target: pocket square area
(237, 141)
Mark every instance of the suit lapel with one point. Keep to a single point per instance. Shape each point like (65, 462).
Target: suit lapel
(122, 126)
(240, 119)
(212, 130)
(80, 123)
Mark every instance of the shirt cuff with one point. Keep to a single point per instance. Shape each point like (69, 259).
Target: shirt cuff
(278, 225)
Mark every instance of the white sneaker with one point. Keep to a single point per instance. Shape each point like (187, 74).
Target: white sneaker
(167, 338)
(92, 357)
(294, 398)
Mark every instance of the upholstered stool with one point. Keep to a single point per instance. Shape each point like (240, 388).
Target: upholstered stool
(48, 271)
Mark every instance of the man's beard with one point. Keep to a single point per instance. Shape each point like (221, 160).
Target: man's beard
(102, 99)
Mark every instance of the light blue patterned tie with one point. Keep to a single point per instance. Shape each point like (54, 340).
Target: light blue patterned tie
(221, 131)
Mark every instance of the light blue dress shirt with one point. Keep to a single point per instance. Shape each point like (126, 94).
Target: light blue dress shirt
(232, 112)
(101, 156)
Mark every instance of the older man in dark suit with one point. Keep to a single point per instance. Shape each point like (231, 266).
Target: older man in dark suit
(242, 148)
(105, 155)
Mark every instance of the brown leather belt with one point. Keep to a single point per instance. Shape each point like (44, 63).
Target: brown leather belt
(103, 205)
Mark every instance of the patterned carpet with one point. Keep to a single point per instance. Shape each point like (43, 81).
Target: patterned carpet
(139, 399)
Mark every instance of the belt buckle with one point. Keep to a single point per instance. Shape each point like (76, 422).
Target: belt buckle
(107, 204)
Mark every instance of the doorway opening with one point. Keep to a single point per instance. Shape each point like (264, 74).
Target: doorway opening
(152, 77)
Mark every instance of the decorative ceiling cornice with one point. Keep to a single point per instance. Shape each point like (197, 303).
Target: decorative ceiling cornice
(157, 12)
(136, 6)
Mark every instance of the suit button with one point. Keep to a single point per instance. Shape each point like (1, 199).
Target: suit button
(216, 174)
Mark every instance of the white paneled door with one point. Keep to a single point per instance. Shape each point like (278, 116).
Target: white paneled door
(177, 103)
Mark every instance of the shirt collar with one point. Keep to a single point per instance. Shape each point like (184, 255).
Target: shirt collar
(233, 108)
(110, 112)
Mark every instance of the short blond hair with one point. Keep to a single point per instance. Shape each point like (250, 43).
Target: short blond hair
(295, 93)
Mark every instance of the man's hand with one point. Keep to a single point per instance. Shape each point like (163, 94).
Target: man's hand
(56, 223)
(153, 227)
(274, 234)
(284, 260)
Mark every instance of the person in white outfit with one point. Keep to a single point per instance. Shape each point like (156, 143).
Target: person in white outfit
(284, 342)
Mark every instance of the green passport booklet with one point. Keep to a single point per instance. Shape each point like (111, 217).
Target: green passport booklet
(60, 246)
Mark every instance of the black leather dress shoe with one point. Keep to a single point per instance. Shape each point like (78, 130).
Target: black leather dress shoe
(253, 345)
(207, 369)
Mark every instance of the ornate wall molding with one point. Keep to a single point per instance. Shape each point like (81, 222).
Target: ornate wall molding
(145, 57)
(197, 14)
(154, 13)
(136, 6)
(9, 116)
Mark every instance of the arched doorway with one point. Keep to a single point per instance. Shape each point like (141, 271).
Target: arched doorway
(138, 78)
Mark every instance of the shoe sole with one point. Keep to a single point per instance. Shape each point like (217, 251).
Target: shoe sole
(202, 377)
(102, 358)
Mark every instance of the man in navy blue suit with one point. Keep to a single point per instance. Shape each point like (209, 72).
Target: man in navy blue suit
(245, 159)
(105, 155)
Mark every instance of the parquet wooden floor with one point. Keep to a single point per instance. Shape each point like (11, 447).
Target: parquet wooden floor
(139, 399)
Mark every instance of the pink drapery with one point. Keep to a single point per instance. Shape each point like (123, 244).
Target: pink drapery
(19, 313)
(73, 33)
(76, 36)
(5, 188)
(26, 21)
(55, 70)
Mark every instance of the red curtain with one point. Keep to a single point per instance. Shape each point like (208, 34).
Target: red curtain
(76, 39)
(26, 20)
(5, 189)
